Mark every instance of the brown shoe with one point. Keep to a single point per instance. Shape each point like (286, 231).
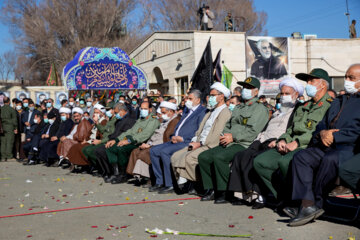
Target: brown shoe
(339, 190)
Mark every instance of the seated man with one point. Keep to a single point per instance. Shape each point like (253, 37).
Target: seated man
(234, 101)
(185, 161)
(75, 155)
(118, 155)
(246, 121)
(243, 178)
(119, 122)
(332, 145)
(50, 131)
(79, 133)
(140, 157)
(184, 132)
(298, 135)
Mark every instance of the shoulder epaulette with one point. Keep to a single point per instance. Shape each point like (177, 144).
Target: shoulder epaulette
(330, 100)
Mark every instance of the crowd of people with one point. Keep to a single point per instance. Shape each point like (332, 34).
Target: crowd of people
(233, 148)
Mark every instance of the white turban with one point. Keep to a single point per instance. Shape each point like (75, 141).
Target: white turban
(221, 88)
(64, 110)
(100, 107)
(158, 110)
(168, 105)
(292, 82)
(77, 110)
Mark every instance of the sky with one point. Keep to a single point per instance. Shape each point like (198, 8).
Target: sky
(325, 18)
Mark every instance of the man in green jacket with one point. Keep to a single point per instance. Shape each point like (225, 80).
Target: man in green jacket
(246, 122)
(118, 155)
(298, 136)
(9, 124)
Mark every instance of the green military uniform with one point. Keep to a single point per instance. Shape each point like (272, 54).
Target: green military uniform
(304, 123)
(9, 123)
(105, 130)
(139, 133)
(246, 122)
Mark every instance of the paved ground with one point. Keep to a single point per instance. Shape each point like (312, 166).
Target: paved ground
(25, 189)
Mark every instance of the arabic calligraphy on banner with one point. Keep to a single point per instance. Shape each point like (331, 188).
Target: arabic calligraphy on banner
(106, 75)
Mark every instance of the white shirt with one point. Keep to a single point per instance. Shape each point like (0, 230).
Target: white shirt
(48, 131)
(209, 123)
(182, 123)
(72, 133)
(30, 114)
(205, 18)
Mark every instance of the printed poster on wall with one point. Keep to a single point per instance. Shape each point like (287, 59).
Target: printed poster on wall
(267, 60)
(22, 94)
(41, 96)
(59, 97)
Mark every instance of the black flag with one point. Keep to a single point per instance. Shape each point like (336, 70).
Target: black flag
(203, 75)
(217, 67)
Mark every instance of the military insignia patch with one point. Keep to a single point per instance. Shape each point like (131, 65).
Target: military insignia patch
(309, 124)
(320, 104)
(330, 100)
(244, 121)
(248, 80)
(140, 130)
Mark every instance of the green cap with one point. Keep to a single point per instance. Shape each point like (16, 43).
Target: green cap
(250, 82)
(315, 73)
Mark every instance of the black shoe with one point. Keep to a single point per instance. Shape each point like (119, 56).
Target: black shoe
(31, 162)
(239, 201)
(119, 179)
(221, 198)
(291, 211)
(193, 191)
(208, 196)
(155, 188)
(306, 215)
(165, 190)
(20, 160)
(258, 205)
(26, 163)
(108, 179)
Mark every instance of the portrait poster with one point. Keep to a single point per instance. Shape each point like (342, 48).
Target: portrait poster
(267, 59)
(59, 96)
(41, 96)
(22, 94)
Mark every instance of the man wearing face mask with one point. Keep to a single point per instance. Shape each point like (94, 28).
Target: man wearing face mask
(119, 122)
(28, 116)
(18, 148)
(75, 155)
(243, 177)
(140, 157)
(50, 107)
(298, 135)
(118, 155)
(184, 132)
(234, 101)
(332, 146)
(185, 161)
(246, 121)
(9, 125)
(79, 133)
(71, 102)
(50, 130)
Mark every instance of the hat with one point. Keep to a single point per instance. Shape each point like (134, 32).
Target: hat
(250, 82)
(221, 88)
(293, 83)
(315, 73)
(77, 110)
(168, 105)
(100, 107)
(65, 110)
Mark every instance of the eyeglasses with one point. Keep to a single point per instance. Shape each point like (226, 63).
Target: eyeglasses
(351, 77)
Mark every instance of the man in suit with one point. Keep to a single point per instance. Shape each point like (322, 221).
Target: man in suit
(332, 145)
(185, 161)
(28, 116)
(50, 107)
(49, 132)
(184, 132)
(247, 120)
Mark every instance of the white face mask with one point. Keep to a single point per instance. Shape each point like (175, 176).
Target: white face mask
(189, 104)
(97, 115)
(35, 121)
(71, 104)
(287, 101)
(246, 94)
(350, 87)
(165, 117)
(51, 121)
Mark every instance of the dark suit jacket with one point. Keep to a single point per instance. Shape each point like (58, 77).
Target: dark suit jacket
(53, 129)
(122, 126)
(65, 128)
(25, 117)
(191, 125)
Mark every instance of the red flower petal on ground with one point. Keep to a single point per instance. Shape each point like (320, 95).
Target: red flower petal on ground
(153, 236)
(94, 226)
(124, 227)
(262, 229)
(29, 236)
(176, 213)
(231, 226)
(108, 229)
(99, 238)
(58, 200)
(11, 207)
(30, 209)
(130, 215)
(64, 195)
(46, 192)
(111, 226)
(250, 217)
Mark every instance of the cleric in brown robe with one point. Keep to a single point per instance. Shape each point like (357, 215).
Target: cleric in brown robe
(75, 154)
(140, 157)
(79, 133)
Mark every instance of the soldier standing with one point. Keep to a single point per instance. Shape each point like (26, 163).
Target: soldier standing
(9, 124)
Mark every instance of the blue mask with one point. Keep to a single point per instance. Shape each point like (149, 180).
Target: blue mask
(108, 114)
(144, 113)
(32, 108)
(212, 101)
(134, 102)
(311, 90)
(63, 118)
(48, 105)
(26, 105)
(301, 101)
(118, 116)
(246, 94)
(231, 107)
(46, 120)
(278, 106)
